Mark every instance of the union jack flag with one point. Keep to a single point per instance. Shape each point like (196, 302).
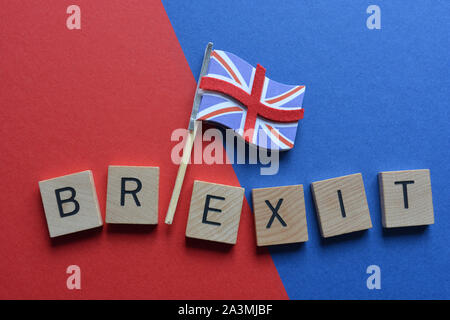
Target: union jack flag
(239, 96)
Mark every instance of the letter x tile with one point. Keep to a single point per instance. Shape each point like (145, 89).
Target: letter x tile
(279, 215)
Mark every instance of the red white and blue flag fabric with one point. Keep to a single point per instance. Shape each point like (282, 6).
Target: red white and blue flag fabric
(239, 96)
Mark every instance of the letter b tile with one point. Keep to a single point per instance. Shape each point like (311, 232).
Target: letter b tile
(70, 203)
(215, 212)
(341, 205)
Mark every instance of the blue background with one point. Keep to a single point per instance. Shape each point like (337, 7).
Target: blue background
(376, 100)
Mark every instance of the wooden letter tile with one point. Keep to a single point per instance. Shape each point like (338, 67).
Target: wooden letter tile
(341, 205)
(280, 215)
(132, 196)
(406, 198)
(70, 203)
(215, 212)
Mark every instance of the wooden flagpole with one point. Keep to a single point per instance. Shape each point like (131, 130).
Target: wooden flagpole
(193, 127)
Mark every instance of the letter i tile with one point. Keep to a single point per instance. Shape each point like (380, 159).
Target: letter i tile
(341, 205)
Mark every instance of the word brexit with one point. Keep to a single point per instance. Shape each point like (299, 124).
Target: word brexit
(71, 205)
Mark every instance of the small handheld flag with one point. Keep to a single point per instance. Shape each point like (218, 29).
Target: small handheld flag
(234, 94)
(238, 96)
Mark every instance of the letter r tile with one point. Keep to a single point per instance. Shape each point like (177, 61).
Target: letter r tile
(341, 205)
(70, 203)
(132, 195)
(215, 212)
(280, 216)
(406, 198)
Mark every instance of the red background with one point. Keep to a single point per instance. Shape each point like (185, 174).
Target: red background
(110, 93)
